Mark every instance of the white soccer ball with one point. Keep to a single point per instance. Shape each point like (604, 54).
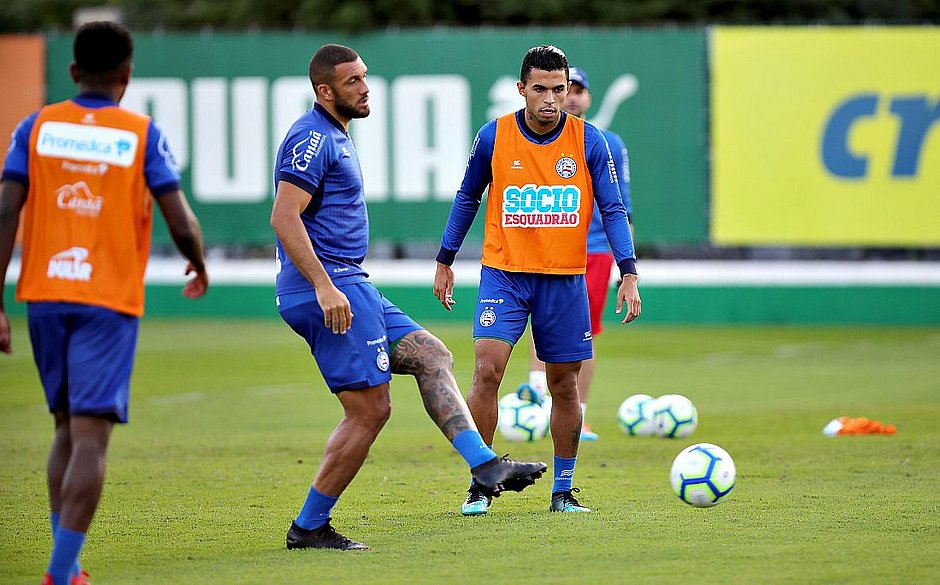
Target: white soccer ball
(674, 416)
(522, 420)
(635, 415)
(702, 475)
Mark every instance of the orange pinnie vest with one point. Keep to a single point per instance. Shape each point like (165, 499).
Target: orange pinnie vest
(540, 201)
(88, 212)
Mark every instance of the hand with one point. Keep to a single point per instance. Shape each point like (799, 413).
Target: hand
(444, 285)
(6, 342)
(196, 286)
(628, 293)
(337, 314)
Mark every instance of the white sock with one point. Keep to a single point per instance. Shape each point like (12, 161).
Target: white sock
(538, 381)
(583, 409)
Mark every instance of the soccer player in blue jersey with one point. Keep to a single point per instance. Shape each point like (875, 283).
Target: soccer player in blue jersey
(599, 259)
(544, 170)
(85, 172)
(357, 337)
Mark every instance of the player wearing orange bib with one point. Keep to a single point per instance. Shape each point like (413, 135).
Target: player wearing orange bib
(85, 173)
(544, 170)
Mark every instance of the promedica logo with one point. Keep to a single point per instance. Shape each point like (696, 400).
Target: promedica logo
(541, 205)
(87, 143)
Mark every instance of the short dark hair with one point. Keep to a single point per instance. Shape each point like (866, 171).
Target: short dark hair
(544, 57)
(324, 62)
(102, 48)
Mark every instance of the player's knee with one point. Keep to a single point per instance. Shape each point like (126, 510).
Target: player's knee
(382, 413)
(436, 354)
(442, 356)
(564, 393)
(563, 387)
(374, 416)
(420, 352)
(487, 375)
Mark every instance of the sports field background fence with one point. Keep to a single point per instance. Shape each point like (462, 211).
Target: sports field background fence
(820, 137)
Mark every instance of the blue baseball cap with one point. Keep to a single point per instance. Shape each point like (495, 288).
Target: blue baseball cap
(577, 75)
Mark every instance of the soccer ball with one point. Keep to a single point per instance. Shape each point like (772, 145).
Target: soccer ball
(635, 415)
(674, 416)
(702, 475)
(521, 420)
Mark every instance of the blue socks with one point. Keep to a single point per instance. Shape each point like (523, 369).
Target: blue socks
(471, 447)
(67, 545)
(564, 473)
(54, 521)
(316, 510)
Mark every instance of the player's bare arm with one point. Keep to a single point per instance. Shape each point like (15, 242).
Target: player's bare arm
(289, 202)
(629, 295)
(12, 199)
(187, 235)
(425, 357)
(444, 285)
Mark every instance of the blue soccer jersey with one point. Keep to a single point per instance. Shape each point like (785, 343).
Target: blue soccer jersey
(597, 237)
(319, 157)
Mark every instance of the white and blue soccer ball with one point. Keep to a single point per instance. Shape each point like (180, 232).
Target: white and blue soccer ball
(635, 416)
(522, 420)
(702, 475)
(674, 416)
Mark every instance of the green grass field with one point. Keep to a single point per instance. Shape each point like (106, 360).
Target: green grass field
(229, 419)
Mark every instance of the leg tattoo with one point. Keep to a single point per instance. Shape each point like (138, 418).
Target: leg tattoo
(425, 357)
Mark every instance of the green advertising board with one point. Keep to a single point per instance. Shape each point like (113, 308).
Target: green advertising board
(226, 100)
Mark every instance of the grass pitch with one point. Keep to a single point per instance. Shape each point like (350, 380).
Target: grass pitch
(229, 419)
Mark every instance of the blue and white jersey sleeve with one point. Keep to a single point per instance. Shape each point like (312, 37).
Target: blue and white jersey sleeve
(305, 157)
(607, 196)
(622, 163)
(478, 176)
(597, 237)
(160, 167)
(16, 166)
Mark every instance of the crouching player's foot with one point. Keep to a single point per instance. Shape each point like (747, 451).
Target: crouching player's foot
(477, 502)
(75, 579)
(322, 537)
(566, 502)
(502, 474)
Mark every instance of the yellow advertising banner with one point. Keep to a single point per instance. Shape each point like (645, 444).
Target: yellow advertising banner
(825, 136)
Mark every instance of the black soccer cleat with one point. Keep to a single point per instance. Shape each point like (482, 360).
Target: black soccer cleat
(322, 537)
(566, 502)
(503, 474)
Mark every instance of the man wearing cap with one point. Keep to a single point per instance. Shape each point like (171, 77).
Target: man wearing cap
(599, 259)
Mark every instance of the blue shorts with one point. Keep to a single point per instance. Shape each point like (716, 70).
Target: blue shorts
(85, 355)
(558, 304)
(360, 358)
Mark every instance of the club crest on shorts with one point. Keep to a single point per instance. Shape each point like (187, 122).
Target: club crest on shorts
(566, 167)
(381, 360)
(487, 317)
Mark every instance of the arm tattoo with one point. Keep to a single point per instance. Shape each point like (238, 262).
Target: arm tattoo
(425, 357)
